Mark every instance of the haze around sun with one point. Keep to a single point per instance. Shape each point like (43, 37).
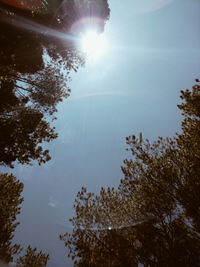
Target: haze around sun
(94, 45)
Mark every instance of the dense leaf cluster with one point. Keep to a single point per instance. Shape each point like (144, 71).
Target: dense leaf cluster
(32, 258)
(10, 200)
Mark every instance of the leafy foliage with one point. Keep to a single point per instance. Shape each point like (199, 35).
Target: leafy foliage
(10, 201)
(34, 72)
(153, 217)
(22, 129)
(41, 91)
(32, 258)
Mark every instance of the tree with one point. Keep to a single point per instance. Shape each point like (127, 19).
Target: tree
(10, 201)
(49, 27)
(189, 146)
(40, 61)
(153, 217)
(34, 73)
(32, 258)
(23, 128)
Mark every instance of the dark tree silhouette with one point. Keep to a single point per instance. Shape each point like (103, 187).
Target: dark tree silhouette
(49, 28)
(153, 217)
(23, 128)
(10, 201)
(38, 49)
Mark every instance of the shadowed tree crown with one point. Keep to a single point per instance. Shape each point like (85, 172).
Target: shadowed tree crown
(38, 50)
(10, 206)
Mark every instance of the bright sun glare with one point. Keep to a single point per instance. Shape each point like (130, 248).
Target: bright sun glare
(93, 45)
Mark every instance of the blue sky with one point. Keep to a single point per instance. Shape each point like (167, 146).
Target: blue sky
(154, 53)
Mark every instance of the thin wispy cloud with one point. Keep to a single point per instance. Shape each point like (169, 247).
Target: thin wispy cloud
(101, 93)
(161, 4)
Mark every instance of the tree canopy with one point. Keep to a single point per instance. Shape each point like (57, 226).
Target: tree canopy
(23, 128)
(10, 206)
(38, 49)
(153, 217)
(48, 27)
(32, 258)
(10, 201)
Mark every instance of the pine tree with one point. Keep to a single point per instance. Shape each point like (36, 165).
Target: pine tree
(153, 217)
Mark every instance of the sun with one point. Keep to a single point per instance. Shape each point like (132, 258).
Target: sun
(93, 45)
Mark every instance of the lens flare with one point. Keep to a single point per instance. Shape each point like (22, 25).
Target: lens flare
(93, 45)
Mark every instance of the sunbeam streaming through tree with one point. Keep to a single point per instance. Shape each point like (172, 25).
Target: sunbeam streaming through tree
(35, 72)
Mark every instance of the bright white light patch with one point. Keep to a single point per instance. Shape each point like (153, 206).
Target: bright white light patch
(93, 44)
